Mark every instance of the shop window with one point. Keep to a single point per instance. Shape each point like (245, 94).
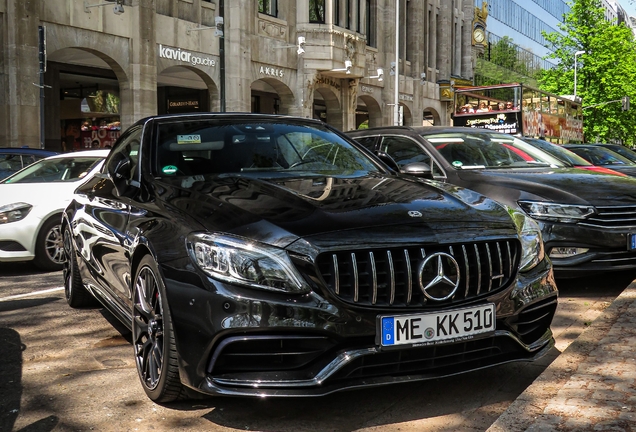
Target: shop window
(317, 11)
(269, 7)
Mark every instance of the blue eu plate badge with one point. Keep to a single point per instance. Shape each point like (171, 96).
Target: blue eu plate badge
(388, 332)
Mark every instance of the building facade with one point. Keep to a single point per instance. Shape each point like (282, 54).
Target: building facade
(312, 58)
(514, 48)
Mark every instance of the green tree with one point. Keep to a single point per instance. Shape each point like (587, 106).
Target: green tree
(606, 71)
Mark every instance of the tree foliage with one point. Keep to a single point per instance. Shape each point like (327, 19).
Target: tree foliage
(606, 71)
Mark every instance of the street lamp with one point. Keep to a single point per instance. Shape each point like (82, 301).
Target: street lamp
(576, 54)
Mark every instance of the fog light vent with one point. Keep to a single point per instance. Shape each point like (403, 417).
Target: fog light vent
(567, 252)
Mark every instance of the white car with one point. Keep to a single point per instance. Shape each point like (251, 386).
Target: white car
(31, 204)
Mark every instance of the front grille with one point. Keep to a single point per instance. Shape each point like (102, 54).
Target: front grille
(389, 277)
(267, 353)
(612, 217)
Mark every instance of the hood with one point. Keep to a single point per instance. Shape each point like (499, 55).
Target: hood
(629, 170)
(281, 210)
(559, 185)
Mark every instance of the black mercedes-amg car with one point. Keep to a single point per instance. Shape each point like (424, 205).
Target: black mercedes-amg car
(262, 255)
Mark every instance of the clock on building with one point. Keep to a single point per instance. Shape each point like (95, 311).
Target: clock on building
(479, 35)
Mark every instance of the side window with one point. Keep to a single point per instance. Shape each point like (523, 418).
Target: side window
(368, 142)
(27, 160)
(127, 147)
(10, 162)
(404, 150)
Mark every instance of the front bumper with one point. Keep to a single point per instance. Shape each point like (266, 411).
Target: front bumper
(608, 251)
(17, 239)
(236, 341)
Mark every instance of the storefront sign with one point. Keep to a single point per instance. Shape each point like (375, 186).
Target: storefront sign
(405, 97)
(271, 71)
(185, 56)
(180, 104)
(328, 81)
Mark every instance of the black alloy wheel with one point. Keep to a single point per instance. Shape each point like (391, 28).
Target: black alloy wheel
(153, 341)
(77, 296)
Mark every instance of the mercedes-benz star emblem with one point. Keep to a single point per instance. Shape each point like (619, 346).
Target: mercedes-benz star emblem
(439, 276)
(415, 213)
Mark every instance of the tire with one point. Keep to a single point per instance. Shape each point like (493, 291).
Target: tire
(77, 296)
(153, 339)
(49, 246)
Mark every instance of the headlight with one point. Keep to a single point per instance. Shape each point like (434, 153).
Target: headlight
(565, 213)
(532, 252)
(14, 212)
(240, 261)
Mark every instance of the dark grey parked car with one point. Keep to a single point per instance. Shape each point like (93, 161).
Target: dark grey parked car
(620, 149)
(604, 157)
(588, 218)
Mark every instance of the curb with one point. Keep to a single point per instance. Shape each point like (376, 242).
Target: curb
(529, 405)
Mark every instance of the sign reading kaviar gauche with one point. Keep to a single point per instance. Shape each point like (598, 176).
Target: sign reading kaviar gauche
(185, 56)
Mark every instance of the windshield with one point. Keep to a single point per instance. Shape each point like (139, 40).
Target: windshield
(624, 151)
(203, 147)
(61, 169)
(601, 156)
(469, 150)
(559, 152)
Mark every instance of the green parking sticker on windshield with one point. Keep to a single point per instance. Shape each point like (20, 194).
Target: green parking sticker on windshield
(169, 169)
(457, 163)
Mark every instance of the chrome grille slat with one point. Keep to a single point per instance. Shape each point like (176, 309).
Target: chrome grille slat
(356, 281)
(409, 277)
(378, 277)
(479, 275)
(509, 257)
(374, 279)
(501, 270)
(489, 267)
(467, 267)
(336, 274)
(391, 276)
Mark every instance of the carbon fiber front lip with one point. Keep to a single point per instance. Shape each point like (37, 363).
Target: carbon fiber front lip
(318, 386)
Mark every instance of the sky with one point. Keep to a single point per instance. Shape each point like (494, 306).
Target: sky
(629, 6)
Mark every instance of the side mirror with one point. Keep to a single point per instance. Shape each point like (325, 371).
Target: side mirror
(120, 171)
(419, 169)
(388, 160)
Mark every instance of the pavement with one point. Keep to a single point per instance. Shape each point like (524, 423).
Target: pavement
(591, 385)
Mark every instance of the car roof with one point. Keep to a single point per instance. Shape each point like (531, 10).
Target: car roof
(27, 150)
(237, 116)
(89, 153)
(425, 130)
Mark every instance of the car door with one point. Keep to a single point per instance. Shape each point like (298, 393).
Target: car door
(103, 224)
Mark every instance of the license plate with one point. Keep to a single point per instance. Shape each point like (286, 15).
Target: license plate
(631, 241)
(439, 327)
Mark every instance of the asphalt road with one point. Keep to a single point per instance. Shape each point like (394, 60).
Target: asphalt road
(73, 370)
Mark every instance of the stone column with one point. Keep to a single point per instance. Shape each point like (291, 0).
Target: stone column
(467, 52)
(239, 26)
(139, 94)
(19, 67)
